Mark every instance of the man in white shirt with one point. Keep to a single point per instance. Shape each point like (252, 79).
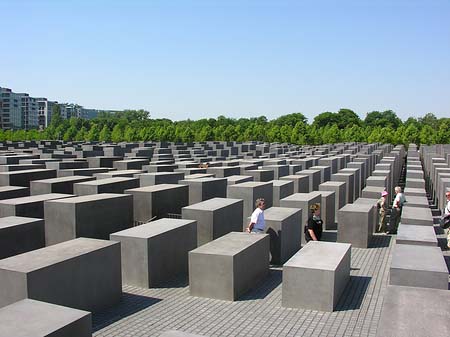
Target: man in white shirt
(257, 223)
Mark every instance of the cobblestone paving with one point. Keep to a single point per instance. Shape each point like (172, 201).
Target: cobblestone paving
(149, 312)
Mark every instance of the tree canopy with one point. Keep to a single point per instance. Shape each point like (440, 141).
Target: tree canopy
(327, 127)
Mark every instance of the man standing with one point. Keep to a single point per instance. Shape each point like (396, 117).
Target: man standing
(447, 214)
(257, 223)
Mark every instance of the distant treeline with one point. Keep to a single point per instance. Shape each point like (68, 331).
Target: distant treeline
(327, 127)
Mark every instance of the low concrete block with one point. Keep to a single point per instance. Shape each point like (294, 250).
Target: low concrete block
(157, 178)
(238, 179)
(326, 265)
(281, 189)
(23, 178)
(215, 217)
(81, 273)
(156, 252)
(57, 185)
(418, 266)
(229, 266)
(301, 182)
(19, 235)
(32, 207)
(419, 192)
(10, 192)
(339, 188)
(416, 235)
(43, 320)
(416, 216)
(417, 202)
(111, 185)
(415, 183)
(411, 311)
(205, 188)
(158, 201)
(90, 216)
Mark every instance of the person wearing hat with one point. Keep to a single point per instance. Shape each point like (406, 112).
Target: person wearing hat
(382, 205)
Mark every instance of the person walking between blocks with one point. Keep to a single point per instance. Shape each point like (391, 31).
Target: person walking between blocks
(257, 223)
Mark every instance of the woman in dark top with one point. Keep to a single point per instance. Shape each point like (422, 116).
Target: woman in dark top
(313, 229)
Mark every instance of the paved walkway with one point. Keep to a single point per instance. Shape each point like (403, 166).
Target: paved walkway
(148, 312)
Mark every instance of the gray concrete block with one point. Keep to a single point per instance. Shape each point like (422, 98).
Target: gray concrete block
(316, 276)
(229, 266)
(303, 201)
(261, 175)
(416, 216)
(102, 161)
(419, 192)
(205, 188)
(249, 192)
(416, 235)
(81, 273)
(328, 209)
(415, 183)
(349, 179)
(32, 207)
(215, 217)
(91, 216)
(372, 192)
(314, 178)
(111, 185)
(419, 202)
(281, 189)
(355, 224)
(23, 178)
(158, 201)
(375, 212)
(10, 192)
(130, 164)
(411, 311)
(44, 320)
(325, 172)
(224, 171)
(284, 226)
(121, 173)
(301, 182)
(339, 188)
(156, 252)
(19, 235)
(418, 266)
(157, 178)
(278, 170)
(238, 179)
(84, 171)
(57, 185)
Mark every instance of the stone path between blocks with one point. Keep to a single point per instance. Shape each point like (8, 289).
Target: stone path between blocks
(149, 312)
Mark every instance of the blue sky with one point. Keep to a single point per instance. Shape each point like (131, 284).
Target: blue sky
(196, 59)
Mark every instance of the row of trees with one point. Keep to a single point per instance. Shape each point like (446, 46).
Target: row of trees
(328, 127)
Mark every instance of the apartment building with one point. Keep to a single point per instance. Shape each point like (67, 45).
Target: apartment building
(45, 110)
(10, 109)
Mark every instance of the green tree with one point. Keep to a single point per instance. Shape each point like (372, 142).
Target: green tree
(105, 134)
(117, 134)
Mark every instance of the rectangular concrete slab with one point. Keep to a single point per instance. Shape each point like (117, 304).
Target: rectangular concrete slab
(19, 235)
(229, 266)
(215, 217)
(326, 266)
(156, 252)
(411, 311)
(418, 266)
(81, 273)
(416, 235)
(43, 320)
(91, 216)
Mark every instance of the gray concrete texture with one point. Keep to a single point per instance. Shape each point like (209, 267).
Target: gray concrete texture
(215, 217)
(229, 266)
(91, 216)
(82, 274)
(156, 252)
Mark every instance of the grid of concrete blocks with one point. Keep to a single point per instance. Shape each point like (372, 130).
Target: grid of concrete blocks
(79, 223)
